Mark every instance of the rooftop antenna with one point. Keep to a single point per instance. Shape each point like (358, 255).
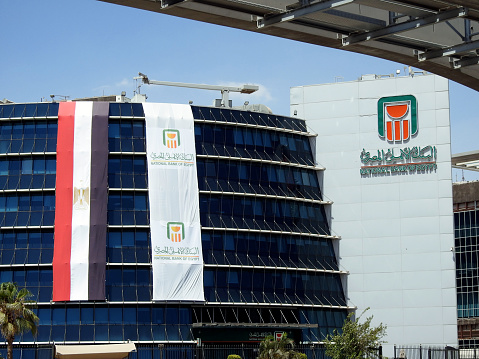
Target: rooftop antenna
(411, 71)
(63, 97)
(225, 90)
(137, 90)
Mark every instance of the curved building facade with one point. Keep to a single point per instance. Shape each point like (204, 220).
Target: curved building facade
(269, 259)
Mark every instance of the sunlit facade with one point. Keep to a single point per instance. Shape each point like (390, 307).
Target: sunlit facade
(269, 258)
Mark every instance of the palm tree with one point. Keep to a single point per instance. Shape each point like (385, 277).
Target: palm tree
(16, 315)
(272, 348)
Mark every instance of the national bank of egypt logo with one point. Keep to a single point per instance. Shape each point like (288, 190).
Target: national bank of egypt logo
(171, 138)
(397, 118)
(175, 231)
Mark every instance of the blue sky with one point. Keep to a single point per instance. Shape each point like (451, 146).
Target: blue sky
(88, 48)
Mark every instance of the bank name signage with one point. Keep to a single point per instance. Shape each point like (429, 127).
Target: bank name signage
(407, 159)
(397, 123)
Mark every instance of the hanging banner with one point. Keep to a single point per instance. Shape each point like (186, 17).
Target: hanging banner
(174, 203)
(79, 259)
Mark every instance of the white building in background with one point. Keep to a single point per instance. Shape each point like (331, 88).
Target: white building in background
(385, 143)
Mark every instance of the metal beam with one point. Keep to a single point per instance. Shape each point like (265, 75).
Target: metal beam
(300, 12)
(405, 26)
(357, 17)
(464, 62)
(468, 168)
(168, 3)
(449, 51)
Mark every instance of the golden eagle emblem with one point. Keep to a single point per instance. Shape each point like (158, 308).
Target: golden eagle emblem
(81, 197)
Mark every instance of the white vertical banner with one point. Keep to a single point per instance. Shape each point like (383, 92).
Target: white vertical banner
(177, 257)
(81, 201)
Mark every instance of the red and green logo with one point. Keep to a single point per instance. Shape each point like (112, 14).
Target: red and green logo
(397, 117)
(175, 231)
(171, 138)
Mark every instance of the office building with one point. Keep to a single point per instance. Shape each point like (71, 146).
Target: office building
(385, 144)
(466, 219)
(269, 259)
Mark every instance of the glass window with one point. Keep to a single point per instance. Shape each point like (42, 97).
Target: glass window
(36, 202)
(14, 167)
(129, 315)
(46, 277)
(49, 203)
(127, 201)
(12, 204)
(6, 131)
(101, 315)
(144, 315)
(171, 315)
(114, 276)
(17, 131)
(140, 202)
(185, 315)
(125, 129)
(50, 166)
(138, 129)
(52, 129)
(116, 315)
(27, 166)
(114, 239)
(114, 201)
(129, 277)
(41, 129)
(44, 314)
(248, 137)
(114, 129)
(39, 166)
(58, 316)
(238, 136)
(157, 315)
(73, 315)
(3, 167)
(128, 239)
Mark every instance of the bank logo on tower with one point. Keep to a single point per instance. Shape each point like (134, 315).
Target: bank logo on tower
(397, 118)
(176, 231)
(171, 138)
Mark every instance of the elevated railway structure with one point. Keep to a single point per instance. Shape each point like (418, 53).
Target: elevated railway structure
(439, 36)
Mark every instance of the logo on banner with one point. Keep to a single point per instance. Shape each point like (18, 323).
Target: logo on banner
(171, 138)
(397, 118)
(81, 197)
(176, 231)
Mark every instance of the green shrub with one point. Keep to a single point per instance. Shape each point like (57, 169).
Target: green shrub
(234, 356)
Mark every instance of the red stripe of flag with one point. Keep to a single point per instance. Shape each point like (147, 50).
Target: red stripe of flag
(63, 202)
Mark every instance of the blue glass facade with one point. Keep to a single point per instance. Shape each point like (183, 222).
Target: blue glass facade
(268, 253)
(466, 233)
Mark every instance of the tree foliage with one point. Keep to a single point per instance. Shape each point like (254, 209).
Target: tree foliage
(356, 340)
(16, 314)
(272, 348)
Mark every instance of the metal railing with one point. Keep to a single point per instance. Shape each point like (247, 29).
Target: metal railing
(432, 353)
(186, 351)
(220, 351)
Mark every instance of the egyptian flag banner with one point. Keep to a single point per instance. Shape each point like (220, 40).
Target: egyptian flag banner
(79, 259)
(177, 258)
